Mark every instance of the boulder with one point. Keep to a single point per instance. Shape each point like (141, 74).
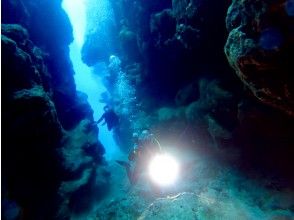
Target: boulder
(260, 47)
(182, 206)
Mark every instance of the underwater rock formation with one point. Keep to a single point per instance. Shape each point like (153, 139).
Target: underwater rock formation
(169, 75)
(181, 43)
(100, 32)
(94, 49)
(164, 46)
(49, 141)
(172, 41)
(128, 40)
(211, 118)
(184, 85)
(32, 130)
(182, 206)
(260, 47)
(39, 17)
(85, 180)
(206, 190)
(207, 205)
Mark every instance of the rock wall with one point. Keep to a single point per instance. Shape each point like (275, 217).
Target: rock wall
(164, 47)
(165, 43)
(32, 131)
(184, 82)
(50, 29)
(100, 38)
(173, 41)
(53, 163)
(260, 46)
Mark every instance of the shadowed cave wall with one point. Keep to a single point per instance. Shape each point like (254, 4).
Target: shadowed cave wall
(52, 161)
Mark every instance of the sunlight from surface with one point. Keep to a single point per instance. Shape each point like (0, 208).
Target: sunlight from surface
(87, 81)
(99, 16)
(76, 12)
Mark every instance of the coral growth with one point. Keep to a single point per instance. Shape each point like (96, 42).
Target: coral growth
(259, 48)
(42, 113)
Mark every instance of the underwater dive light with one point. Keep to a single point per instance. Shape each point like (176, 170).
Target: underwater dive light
(163, 169)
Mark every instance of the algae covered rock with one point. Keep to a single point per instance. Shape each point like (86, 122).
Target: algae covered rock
(206, 205)
(95, 49)
(18, 63)
(260, 49)
(46, 169)
(32, 135)
(128, 40)
(163, 26)
(182, 206)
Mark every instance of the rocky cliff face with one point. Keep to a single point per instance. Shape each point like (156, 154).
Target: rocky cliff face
(165, 48)
(169, 42)
(172, 54)
(260, 46)
(52, 158)
(32, 131)
(50, 29)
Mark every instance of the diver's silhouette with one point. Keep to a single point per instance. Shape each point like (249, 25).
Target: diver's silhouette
(110, 118)
(145, 147)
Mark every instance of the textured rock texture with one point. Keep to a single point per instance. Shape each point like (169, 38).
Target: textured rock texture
(206, 205)
(177, 207)
(86, 179)
(163, 47)
(206, 189)
(100, 37)
(172, 58)
(50, 29)
(32, 130)
(52, 159)
(183, 80)
(173, 41)
(260, 49)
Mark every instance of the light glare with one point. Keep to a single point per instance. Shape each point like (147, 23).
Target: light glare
(163, 169)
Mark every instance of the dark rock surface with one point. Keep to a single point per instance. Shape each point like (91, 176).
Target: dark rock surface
(164, 46)
(207, 205)
(48, 142)
(32, 130)
(180, 42)
(49, 29)
(260, 49)
(94, 49)
(185, 76)
(172, 77)
(175, 45)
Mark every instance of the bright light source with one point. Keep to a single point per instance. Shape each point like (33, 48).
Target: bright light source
(76, 10)
(163, 169)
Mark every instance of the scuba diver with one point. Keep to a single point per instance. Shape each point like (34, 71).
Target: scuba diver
(145, 146)
(110, 118)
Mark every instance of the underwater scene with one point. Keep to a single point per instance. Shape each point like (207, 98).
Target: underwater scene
(147, 109)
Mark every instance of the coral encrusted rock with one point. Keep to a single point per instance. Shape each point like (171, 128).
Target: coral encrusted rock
(260, 49)
(48, 169)
(32, 131)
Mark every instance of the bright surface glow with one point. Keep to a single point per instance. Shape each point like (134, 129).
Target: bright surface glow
(164, 169)
(87, 81)
(76, 11)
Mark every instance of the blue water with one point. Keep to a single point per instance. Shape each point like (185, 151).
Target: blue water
(86, 80)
